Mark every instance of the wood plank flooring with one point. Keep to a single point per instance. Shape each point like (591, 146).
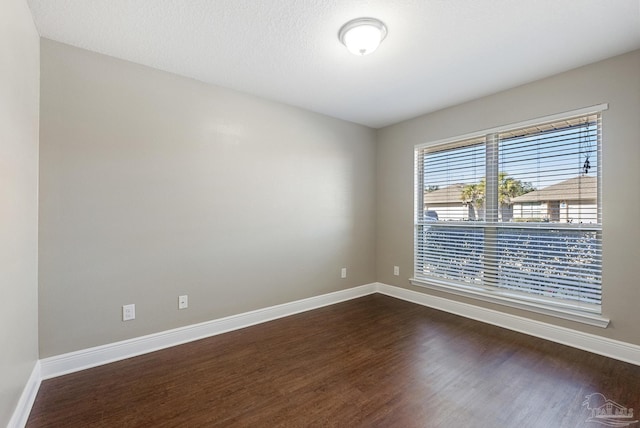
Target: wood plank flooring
(370, 362)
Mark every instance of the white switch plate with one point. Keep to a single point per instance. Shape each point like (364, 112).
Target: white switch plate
(128, 312)
(343, 273)
(183, 302)
(396, 270)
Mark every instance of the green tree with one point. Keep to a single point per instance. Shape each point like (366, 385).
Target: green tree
(508, 188)
(473, 194)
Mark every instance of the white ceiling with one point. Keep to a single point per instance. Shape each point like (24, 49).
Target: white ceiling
(438, 52)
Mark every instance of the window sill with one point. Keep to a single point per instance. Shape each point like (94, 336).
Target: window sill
(502, 298)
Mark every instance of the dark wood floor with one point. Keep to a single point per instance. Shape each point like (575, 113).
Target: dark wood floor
(370, 362)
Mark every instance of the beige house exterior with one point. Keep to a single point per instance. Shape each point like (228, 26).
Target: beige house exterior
(447, 204)
(569, 201)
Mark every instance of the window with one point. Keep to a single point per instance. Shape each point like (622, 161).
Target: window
(514, 214)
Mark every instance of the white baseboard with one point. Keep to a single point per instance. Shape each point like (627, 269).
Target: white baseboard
(79, 360)
(27, 398)
(588, 342)
(99, 355)
(92, 357)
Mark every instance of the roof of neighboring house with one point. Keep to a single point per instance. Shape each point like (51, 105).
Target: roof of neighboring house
(448, 194)
(573, 189)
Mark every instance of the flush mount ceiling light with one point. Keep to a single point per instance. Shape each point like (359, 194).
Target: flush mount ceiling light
(362, 35)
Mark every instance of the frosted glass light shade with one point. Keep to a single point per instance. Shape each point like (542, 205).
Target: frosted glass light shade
(362, 35)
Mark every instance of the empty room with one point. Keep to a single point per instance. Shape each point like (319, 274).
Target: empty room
(243, 213)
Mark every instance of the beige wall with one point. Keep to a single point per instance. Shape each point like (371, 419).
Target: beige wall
(154, 185)
(19, 74)
(615, 81)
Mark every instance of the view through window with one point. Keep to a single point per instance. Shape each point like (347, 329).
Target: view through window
(517, 211)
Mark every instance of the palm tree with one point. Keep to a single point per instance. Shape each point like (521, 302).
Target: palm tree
(508, 188)
(473, 194)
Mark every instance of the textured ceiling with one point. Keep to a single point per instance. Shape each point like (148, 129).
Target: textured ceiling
(438, 52)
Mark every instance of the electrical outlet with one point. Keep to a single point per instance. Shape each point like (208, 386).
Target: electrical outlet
(128, 312)
(183, 302)
(396, 270)
(343, 273)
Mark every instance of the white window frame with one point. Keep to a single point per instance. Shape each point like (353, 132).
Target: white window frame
(561, 309)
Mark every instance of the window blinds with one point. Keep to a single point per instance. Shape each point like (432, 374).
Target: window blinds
(517, 211)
